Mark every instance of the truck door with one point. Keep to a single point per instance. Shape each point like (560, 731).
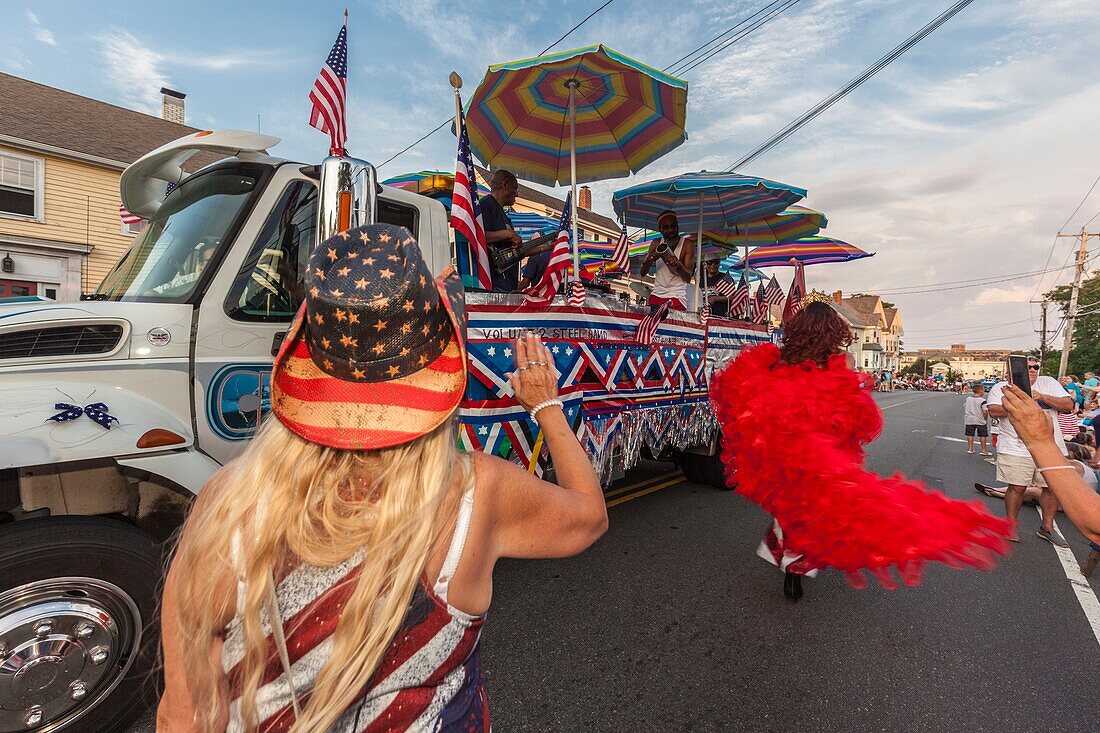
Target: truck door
(249, 306)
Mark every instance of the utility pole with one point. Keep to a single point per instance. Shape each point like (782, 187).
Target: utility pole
(1071, 314)
(1043, 334)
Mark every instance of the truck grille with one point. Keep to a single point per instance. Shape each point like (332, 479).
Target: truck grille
(98, 338)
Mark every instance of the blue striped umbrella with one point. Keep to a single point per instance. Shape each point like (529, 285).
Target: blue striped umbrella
(530, 225)
(710, 200)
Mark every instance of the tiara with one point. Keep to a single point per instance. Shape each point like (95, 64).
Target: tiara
(815, 296)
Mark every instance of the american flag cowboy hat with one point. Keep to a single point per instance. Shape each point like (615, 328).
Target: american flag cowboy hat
(376, 355)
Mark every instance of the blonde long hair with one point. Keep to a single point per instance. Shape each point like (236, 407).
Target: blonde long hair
(293, 501)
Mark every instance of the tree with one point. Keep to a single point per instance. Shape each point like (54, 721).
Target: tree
(1085, 355)
(919, 367)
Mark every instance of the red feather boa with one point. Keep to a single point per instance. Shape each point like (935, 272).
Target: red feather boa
(794, 435)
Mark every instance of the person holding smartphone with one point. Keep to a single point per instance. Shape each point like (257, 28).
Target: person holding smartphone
(1015, 466)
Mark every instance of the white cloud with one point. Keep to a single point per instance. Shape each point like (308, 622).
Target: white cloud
(43, 35)
(1018, 294)
(135, 71)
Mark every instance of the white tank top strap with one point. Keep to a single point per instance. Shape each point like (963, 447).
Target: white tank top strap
(458, 540)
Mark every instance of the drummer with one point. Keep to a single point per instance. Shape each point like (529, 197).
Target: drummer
(674, 257)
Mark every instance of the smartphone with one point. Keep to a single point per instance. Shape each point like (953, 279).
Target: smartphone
(1018, 374)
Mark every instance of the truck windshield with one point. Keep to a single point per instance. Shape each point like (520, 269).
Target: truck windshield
(167, 260)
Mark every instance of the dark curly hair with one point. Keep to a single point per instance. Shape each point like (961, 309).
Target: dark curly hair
(815, 334)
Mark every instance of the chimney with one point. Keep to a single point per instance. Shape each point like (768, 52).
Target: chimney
(172, 105)
(584, 198)
(838, 296)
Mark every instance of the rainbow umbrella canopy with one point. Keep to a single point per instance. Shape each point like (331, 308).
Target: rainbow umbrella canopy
(794, 222)
(806, 251)
(626, 115)
(574, 117)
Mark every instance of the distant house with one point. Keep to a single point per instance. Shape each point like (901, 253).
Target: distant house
(876, 331)
(972, 364)
(61, 156)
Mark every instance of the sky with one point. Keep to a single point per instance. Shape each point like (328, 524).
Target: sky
(959, 161)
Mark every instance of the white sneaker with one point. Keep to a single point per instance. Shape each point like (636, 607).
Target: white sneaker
(970, 452)
(987, 454)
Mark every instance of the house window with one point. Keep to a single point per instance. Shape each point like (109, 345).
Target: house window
(20, 186)
(580, 234)
(133, 230)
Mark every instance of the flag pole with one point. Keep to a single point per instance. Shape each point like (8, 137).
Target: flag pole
(456, 84)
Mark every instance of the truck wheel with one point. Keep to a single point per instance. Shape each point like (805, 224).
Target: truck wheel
(78, 624)
(694, 468)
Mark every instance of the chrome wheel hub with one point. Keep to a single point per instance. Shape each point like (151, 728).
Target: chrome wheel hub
(65, 643)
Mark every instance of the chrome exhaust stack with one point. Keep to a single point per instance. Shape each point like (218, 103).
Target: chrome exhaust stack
(347, 195)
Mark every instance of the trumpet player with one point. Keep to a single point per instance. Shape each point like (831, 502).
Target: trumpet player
(674, 259)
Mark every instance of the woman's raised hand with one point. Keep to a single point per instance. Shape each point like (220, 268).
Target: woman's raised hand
(535, 379)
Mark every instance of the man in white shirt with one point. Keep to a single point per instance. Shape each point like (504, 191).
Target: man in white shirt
(1014, 464)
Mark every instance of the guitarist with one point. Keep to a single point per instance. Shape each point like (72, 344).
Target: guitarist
(498, 229)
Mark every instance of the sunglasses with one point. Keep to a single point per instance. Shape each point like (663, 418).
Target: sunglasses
(1033, 366)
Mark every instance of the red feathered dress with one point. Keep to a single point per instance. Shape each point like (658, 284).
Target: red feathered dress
(794, 436)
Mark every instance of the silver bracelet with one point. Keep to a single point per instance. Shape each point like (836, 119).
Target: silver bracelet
(535, 410)
(1056, 468)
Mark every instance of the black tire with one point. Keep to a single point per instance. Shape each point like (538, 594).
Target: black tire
(716, 472)
(694, 468)
(75, 563)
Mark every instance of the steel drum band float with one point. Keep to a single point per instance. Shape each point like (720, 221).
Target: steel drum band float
(171, 390)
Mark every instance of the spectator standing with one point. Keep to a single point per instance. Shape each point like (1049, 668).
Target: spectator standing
(1074, 388)
(1015, 466)
(976, 420)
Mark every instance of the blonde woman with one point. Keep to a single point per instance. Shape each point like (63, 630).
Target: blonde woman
(354, 520)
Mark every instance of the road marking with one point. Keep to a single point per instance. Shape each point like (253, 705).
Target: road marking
(906, 402)
(643, 492)
(951, 438)
(643, 483)
(1086, 596)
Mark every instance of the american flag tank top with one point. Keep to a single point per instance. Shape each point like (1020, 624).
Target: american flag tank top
(430, 678)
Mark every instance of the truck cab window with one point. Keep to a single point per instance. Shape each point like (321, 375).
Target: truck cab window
(269, 284)
(390, 212)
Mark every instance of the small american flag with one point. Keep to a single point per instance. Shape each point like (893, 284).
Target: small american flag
(620, 258)
(724, 285)
(466, 208)
(773, 294)
(543, 291)
(647, 327)
(706, 313)
(740, 298)
(329, 94)
(126, 216)
(796, 294)
(760, 306)
(576, 294)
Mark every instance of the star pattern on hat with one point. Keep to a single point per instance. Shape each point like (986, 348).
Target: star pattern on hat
(374, 311)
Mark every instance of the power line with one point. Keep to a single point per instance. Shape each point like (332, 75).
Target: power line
(832, 99)
(770, 16)
(578, 25)
(447, 121)
(974, 329)
(961, 284)
(720, 35)
(1054, 244)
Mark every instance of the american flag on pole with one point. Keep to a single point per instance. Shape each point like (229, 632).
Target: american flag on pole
(329, 94)
(647, 327)
(760, 306)
(543, 291)
(773, 294)
(796, 294)
(620, 258)
(740, 298)
(127, 217)
(576, 293)
(466, 209)
(724, 285)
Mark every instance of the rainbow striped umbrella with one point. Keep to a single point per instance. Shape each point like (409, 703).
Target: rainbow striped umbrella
(627, 116)
(808, 251)
(618, 115)
(709, 200)
(792, 223)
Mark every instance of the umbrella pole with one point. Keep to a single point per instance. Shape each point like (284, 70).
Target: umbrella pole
(699, 256)
(572, 84)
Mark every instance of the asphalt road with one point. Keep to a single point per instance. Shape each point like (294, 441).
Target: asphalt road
(671, 623)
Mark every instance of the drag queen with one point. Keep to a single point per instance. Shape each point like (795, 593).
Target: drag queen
(806, 468)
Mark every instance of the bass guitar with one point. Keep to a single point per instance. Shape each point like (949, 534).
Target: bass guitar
(504, 257)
